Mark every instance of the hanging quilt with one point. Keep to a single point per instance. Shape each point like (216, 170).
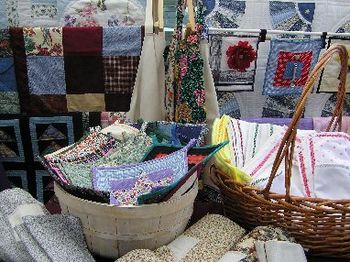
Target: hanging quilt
(287, 71)
(66, 69)
(77, 13)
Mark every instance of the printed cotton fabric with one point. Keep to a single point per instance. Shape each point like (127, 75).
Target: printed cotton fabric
(185, 91)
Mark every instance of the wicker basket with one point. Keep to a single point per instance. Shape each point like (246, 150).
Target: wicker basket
(320, 225)
(112, 231)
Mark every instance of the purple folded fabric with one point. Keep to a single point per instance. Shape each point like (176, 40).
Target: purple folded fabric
(321, 123)
(305, 123)
(127, 191)
(177, 162)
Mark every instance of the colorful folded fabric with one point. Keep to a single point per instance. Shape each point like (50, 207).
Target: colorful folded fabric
(177, 161)
(176, 133)
(127, 191)
(131, 148)
(88, 149)
(223, 157)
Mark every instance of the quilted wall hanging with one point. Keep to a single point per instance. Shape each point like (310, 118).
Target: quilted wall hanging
(289, 64)
(233, 61)
(297, 15)
(75, 13)
(70, 69)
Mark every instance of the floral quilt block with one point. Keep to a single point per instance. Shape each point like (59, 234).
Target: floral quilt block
(233, 61)
(289, 65)
(44, 10)
(329, 82)
(42, 41)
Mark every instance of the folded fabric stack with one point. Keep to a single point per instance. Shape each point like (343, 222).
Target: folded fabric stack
(253, 147)
(216, 238)
(119, 165)
(29, 233)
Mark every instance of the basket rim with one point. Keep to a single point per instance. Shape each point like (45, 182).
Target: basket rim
(192, 191)
(223, 177)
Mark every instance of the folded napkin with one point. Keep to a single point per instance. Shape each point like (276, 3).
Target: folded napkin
(60, 237)
(30, 233)
(14, 205)
(276, 251)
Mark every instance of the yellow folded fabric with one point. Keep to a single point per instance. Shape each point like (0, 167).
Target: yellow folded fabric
(223, 157)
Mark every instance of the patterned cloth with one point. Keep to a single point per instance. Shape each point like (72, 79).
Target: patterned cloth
(185, 92)
(177, 162)
(119, 73)
(207, 240)
(233, 61)
(76, 13)
(126, 192)
(69, 69)
(287, 71)
(131, 149)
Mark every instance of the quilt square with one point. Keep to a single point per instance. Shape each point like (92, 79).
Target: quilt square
(122, 41)
(292, 69)
(43, 41)
(86, 103)
(5, 44)
(47, 104)
(329, 79)
(84, 74)
(82, 40)
(120, 74)
(44, 10)
(118, 102)
(50, 129)
(9, 102)
(7, 74)
(11, 150)
(289, 64)
(233, 61)
(18, 178)
(43, 189)
(46, 75)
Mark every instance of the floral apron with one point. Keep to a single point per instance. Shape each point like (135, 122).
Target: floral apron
(184, 86)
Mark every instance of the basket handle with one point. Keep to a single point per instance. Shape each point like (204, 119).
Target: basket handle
(286, 148)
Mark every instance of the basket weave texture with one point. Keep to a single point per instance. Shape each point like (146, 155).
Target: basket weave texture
(112, 231)
(320, 225)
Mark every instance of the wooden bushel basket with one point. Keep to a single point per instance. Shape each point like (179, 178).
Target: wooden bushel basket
(320, 225)
(113, 231)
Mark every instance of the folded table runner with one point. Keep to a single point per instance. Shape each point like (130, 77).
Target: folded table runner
(177, 161)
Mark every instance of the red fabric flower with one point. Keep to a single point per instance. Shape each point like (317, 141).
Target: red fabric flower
(240, 56)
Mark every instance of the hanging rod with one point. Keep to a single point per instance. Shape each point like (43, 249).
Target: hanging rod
(274, 32)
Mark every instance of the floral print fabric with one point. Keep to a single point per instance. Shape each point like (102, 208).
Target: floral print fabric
(126, 192)
(43, 41)
(185, 93)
